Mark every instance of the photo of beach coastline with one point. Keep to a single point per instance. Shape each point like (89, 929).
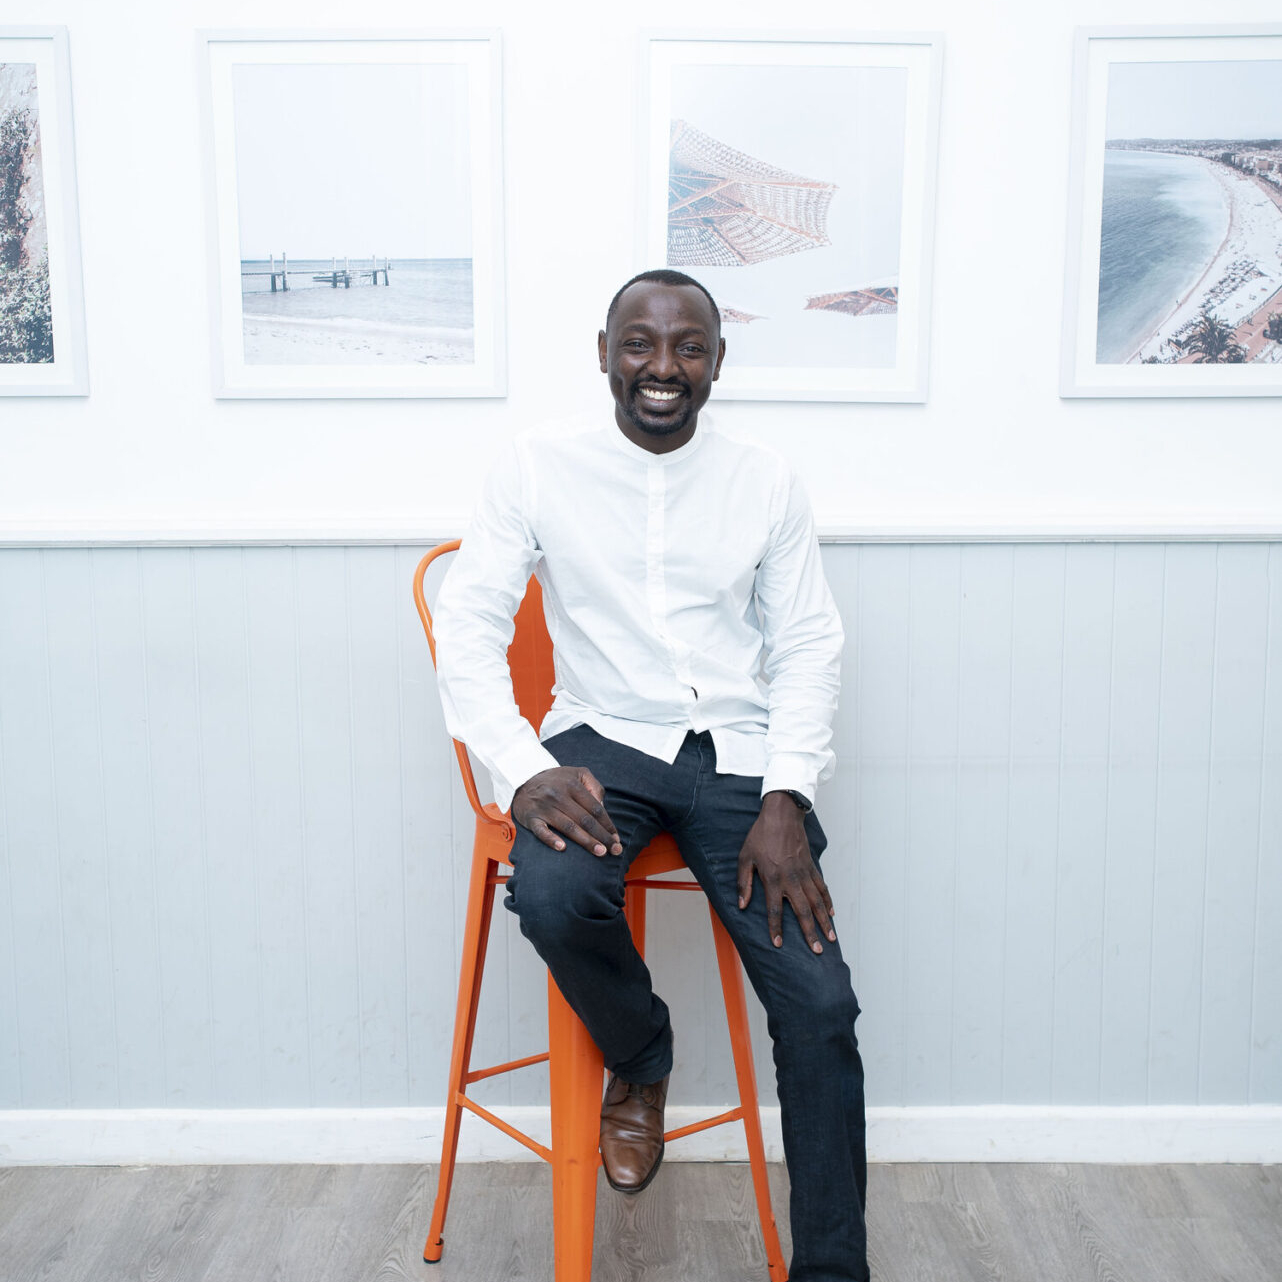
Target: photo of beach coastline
(1190, 231)
(354, 214)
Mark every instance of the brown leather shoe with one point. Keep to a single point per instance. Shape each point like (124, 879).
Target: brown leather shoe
(632, 1133)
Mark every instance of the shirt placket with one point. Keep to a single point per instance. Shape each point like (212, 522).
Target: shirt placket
(656, 577)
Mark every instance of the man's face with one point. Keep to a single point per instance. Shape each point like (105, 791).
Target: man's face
(662, 352)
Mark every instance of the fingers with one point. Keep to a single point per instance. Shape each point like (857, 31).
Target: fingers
(567, 804)
(594, 818)
(774, 914)
(545, 834)
(801, 908)
(823, 909)
(806, 896)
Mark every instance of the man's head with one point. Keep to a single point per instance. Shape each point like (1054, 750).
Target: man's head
(661, 350)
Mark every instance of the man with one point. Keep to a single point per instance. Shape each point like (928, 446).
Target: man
(697, 650)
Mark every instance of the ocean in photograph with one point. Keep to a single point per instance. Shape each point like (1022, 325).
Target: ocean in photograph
(424, 315)
(1164, 218)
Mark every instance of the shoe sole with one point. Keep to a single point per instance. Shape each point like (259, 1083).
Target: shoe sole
(645, 1183)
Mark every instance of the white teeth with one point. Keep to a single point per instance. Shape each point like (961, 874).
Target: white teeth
(651, 394)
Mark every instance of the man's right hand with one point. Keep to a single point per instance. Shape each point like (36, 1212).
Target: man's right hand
(566, 801)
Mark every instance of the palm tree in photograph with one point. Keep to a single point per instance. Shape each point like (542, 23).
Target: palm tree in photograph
(1273, 329)
(1214, 343)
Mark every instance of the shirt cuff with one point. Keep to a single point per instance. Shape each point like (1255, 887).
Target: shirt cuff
(513, 768)
(790, 772)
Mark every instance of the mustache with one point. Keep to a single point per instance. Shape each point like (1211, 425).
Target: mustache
(669, 384)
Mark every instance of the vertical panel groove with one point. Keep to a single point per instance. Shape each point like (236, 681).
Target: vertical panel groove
(957, 790)
(203, 812)
(905, 918)
(353, 802)
(56, 828)
(394, 608)
(1206, 836)
(1261, 903)
(1157, 849)
(255, 862)
(1059, 812)
(1006, 851)
(10, 855)
(302, 818)
(151, 818)
(1108, 815)
(95, 652)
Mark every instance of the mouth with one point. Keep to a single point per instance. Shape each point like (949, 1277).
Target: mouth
(659, 397)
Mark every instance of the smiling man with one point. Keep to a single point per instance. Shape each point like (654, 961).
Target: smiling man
(697, 667)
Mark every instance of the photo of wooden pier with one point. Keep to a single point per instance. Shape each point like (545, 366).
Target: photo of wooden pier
(336, 275)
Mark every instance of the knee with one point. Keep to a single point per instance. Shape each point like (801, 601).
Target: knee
(560, 895)
(819, 1011)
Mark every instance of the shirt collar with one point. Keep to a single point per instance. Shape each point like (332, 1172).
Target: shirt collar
(639, 455)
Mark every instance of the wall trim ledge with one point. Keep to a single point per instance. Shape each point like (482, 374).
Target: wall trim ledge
(977, 1133)
(899, 528)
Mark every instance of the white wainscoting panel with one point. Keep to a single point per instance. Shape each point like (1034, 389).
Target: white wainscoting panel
(233, 852)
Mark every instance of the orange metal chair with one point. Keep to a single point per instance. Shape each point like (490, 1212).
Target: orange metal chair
(574, 1063)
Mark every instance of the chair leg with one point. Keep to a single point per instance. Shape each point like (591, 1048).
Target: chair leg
(741, 1045)
(476, 935)
(575, 1069)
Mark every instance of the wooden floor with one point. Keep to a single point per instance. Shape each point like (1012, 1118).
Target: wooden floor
(927, 1223)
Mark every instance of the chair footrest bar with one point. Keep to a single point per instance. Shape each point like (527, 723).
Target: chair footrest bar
(519, 1136)
(510, 1067)
(734, 1115)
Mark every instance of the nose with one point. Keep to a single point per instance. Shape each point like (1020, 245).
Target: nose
(663, 361)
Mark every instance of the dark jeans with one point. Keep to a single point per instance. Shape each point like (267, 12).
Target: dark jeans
(570, 904)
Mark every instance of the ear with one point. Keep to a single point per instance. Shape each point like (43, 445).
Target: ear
(721, 355)
(601, 349)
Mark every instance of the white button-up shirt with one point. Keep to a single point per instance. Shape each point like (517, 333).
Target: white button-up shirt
(682, 591)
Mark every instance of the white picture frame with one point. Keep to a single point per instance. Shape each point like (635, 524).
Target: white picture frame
(334, 137)
(42, 305)
(831, 300)
(1174, 247)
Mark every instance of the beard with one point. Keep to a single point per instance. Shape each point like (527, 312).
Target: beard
(636, 412)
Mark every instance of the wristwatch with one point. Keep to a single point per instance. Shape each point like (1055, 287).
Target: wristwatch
(804, 804)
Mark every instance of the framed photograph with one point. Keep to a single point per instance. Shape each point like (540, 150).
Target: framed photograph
(794, 176)
(1173, 285)
(42, 306)
(357, 214)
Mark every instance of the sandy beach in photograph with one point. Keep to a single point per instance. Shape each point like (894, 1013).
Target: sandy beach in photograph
(1242, 284)
(302, 340)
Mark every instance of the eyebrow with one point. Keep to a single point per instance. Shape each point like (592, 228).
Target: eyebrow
(644, 327)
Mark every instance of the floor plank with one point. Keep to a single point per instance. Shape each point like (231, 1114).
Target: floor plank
(964, 1223)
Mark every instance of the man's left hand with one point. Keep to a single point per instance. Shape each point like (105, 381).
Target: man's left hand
(776, 847)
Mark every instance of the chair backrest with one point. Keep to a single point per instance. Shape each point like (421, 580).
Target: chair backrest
(529, 658)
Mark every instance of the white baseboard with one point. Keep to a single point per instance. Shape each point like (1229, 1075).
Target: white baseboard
(982, 1133)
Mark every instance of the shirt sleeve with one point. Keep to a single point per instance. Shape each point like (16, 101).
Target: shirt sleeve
(803, 639)
(473, 620)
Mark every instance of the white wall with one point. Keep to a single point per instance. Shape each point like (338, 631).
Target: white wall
(151, 451)
(230, 847)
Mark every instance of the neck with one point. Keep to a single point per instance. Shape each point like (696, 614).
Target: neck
(655, 443)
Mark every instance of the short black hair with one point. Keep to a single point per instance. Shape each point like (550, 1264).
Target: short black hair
(661, 276)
